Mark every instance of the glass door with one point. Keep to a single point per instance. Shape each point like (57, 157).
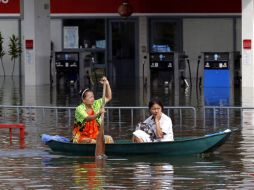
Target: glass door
(165, 35)
(167, 67)
(122, 58)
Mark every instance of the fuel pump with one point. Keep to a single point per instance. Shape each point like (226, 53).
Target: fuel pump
(67, 67)
(168, 69)
(218, 77)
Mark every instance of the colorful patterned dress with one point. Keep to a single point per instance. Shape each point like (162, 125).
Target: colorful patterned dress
(86, 132)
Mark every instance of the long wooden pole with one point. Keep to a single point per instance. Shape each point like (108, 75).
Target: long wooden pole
(100, 142)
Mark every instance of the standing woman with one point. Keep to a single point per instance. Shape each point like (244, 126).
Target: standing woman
(87, 116)
(159, 125)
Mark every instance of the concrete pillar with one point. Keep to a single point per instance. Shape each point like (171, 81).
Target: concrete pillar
(144, 70)
(247, 53)
(36, 26)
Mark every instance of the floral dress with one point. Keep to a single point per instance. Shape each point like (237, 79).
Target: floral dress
(86, 131)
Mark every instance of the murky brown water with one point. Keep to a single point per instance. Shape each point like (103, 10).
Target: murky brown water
(36, 167)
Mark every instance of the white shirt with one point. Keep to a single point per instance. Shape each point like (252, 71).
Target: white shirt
(165, 125)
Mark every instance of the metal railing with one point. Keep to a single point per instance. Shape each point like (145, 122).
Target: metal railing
(144, 109)
(118, 113)
(121, 114)
(29, 110)
(225, 110)
(127, 114)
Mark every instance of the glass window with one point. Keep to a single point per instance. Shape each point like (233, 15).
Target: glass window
(164, 36)
(91, 31)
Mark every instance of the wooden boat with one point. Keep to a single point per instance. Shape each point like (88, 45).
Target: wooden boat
(181, 146)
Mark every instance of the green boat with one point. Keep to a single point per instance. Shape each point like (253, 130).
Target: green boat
(181, 146)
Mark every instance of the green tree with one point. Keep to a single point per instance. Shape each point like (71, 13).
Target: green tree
(2, 52)
(14, 50)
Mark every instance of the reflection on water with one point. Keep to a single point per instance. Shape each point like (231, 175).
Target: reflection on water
(52, 172)
(36, 167)
(87, 175)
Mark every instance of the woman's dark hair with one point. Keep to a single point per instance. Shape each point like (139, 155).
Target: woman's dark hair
(83, 92)
(155, 101)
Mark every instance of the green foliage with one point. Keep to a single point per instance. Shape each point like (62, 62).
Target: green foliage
(14, 47)
(14, 50)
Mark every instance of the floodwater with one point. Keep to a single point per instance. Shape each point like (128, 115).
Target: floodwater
(36, 167)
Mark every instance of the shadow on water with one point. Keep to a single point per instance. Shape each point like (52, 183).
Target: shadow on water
(53, 159)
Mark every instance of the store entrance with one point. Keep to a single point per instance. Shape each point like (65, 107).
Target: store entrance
(122, 52)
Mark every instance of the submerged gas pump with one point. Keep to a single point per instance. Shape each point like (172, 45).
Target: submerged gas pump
(218, 78)
(168, 69)
(67, 67)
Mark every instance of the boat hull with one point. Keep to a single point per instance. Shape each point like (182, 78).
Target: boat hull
(187, 146)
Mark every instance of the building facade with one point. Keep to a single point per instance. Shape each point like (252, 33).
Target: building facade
(122, 47)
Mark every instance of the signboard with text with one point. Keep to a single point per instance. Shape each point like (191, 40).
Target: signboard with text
(140, 6)
(146, 6)
(9, 6)
(29, 44)
(247, 44)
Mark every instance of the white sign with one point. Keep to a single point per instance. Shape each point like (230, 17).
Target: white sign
(71, 38)
(246, 57)
(29, 55)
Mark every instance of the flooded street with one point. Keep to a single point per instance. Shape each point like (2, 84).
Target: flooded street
(36, 167)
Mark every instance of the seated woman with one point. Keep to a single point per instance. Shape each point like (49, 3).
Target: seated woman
(156, 128)
(87, 116)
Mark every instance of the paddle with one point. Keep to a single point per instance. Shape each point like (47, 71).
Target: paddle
(100, 142)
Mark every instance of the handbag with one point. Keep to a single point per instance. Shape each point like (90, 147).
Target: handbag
(147, 128)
